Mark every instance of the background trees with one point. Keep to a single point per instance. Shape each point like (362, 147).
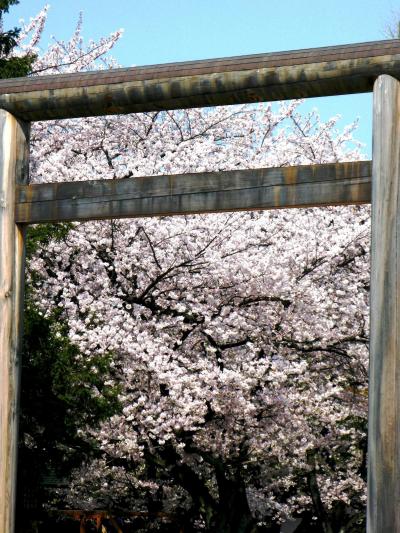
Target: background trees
(238, 341)
(57, 396)
(12, 64)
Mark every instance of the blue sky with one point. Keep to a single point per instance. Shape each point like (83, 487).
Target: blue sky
(160, 31)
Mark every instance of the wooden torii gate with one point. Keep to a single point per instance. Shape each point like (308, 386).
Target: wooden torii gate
(266, 77)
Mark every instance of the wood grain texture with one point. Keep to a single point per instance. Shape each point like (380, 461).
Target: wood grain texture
(275, 76)
(13, 169)
(268, 188)
(384, 385)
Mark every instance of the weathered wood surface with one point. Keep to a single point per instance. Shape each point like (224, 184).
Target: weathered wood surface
(384, 395)
(268, 188)
(275, 76)
(14, 152)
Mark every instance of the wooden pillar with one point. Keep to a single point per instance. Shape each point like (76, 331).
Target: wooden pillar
(82, 525)
(384, 385)
(14, 153)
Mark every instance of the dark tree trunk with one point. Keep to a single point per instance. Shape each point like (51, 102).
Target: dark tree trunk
(230, 513)
(319, 508)
(233, 513)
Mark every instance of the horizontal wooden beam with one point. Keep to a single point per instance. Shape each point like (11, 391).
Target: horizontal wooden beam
(238, 190)
(264, 77)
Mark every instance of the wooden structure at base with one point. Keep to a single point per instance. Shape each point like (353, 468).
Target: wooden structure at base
(99, 517)
(278, 76)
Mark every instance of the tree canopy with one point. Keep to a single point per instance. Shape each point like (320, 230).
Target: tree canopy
(236, 343)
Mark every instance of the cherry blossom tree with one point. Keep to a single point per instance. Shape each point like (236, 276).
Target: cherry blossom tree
(239, 340)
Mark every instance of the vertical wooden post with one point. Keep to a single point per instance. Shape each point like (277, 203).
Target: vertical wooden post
(14, 153)
(384, 385)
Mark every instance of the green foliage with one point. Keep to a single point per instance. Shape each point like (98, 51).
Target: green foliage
(6, 4)
(61, 392)
(41, 234)
(12, 67)
(15, 67)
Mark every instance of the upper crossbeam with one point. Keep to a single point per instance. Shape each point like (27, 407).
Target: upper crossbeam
(274, 76)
